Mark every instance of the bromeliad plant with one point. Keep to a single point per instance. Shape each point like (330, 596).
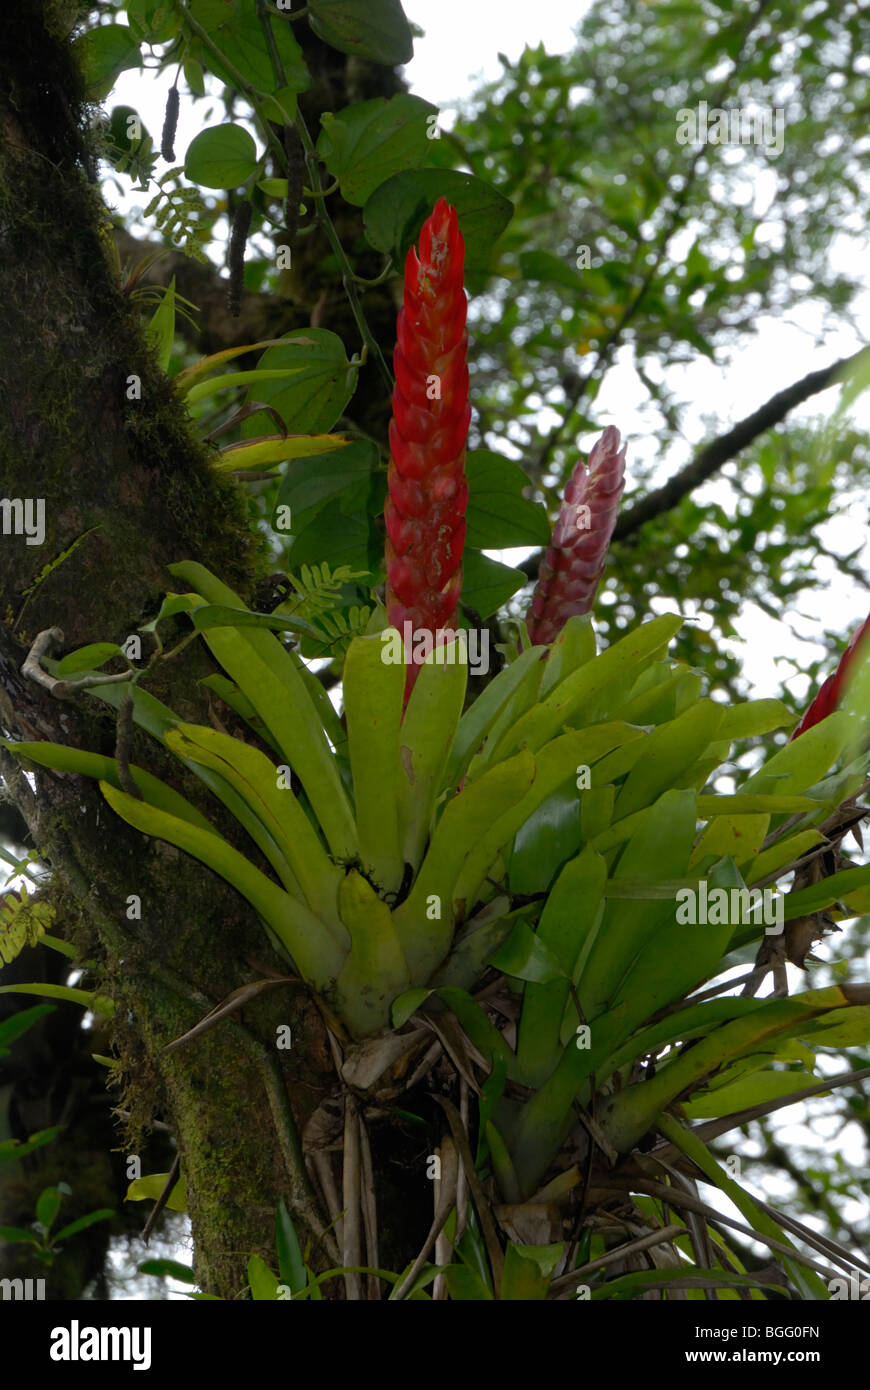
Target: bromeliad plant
(506, 876)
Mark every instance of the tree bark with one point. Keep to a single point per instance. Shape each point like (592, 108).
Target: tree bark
(126, 491)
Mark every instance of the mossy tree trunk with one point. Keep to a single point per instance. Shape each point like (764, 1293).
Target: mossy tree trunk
(126, 491)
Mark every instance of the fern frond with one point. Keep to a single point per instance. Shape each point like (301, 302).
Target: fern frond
(179, 211)
(22, 922)
(319, 600)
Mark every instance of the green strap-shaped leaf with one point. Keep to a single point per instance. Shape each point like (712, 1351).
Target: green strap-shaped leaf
(160, 332)
(425, 920)
(805, 1280)
(18, 1024)
(479, 938)
(556, 759)
(620, 762)
(596, 810)
(428, 731)
(96, 765)
(198, 371)
(255, 778)
(262, 453)
(528, 1270)
(674, 958)
(157, 719)
(782, 853)
(294, 725)
(373, 692)
(669, 751)
(209, 615)
(150, 1188)
(262, 1280)
(485, 1036)
(478, 721)
(754, 717)
(264, 672)
(82, 1224)
(518, 703)
(319, 695)
(582, 687)
(574, 646)
(653, 698)
(375, 972)
(525, 956)
(830, 890)
(802, 762)
(502, 1167)
(843, 1028)
(466, 1286)
(630, 1286)
(740, 837)
(629, 1114)
(754, 1089)
(88, 998)
(569, 915)
(750, 803)
(308, 941)
(291, 1262)
(696, 1021)
(659, 850)
(231, 695)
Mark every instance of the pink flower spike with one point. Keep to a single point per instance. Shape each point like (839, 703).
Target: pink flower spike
(577, 553)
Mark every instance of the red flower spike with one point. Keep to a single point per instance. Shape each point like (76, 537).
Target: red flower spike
(428, 493)
(831, 692)
(575, 558)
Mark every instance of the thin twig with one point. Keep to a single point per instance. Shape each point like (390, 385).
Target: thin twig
(676, 1198)
(322, 1166)
(236, 999)
(484, 1214)
(369, 1210)
(171, 1180)
(445, 1201)
(61, 690)
(123, 733)
(634, 1247)
(351, 1250)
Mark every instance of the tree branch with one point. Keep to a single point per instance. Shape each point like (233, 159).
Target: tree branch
(712, 456)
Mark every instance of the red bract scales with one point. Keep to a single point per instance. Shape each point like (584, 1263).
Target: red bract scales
(575, 558)
(831, 692)
(425, 510)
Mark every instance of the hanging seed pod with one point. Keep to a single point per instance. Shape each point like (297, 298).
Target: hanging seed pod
(575, 558)
(428, 492)
(294, 153)
(238, 242)
(170, 125)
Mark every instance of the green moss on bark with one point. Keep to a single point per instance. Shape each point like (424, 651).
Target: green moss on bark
(131, 474)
